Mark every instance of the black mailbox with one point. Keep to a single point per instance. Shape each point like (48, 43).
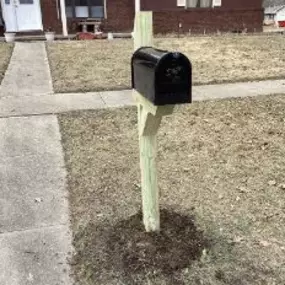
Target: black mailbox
(162, 77)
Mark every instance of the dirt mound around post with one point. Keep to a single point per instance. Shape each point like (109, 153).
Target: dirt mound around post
(134, 256)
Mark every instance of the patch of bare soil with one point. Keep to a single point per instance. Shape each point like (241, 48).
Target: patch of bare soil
(126, 250)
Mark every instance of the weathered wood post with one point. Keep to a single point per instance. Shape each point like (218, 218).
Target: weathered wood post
(149, 119)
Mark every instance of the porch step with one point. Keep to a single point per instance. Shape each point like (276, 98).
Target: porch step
(33, 38)
(30, 33)
(39, 36)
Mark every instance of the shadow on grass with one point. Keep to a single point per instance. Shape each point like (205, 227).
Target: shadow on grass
(126, 253)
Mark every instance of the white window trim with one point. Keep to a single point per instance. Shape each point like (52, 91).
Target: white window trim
(181, 3)
(217, 3)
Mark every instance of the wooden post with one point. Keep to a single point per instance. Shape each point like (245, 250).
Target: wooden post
(149, 119)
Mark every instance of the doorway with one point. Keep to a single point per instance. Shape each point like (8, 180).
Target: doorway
(22, 15)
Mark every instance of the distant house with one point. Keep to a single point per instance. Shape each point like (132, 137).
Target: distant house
(275, 15)
(196, 16)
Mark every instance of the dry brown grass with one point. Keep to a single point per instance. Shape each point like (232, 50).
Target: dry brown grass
(221, 167)
(5, 55)
(105, 65)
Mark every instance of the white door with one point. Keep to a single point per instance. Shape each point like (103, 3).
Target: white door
(9, 15)
(22, 15)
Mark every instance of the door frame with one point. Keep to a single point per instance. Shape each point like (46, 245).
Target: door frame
(18, 29)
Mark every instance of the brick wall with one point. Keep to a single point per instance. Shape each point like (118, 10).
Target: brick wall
(197, 20)
(121, 14)
(233, 15)
(120, 17)
(242, 4)
(49, 15)
(209, 20)
(159, 5)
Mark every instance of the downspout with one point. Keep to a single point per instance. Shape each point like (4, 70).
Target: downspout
(63, 18)
(57, 9)
(105, 9)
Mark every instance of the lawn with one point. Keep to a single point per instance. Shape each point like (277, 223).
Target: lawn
(5, 55)
(221, 167)
(105, 65)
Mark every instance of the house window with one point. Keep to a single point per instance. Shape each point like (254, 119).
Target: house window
(199, 3)
(181, 3)
(217, 3)
(26, 1)
(85, 8)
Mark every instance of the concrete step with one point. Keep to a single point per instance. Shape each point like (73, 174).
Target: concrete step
(34, 38)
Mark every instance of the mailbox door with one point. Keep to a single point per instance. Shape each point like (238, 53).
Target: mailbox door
(173, 80)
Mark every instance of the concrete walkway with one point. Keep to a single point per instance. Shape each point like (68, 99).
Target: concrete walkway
(58, 103)
(34, 229)
(35, 241)
(28, 72)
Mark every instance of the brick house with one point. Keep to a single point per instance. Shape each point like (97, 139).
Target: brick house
(63, 16)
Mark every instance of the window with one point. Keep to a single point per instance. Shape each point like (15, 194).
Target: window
(199, 3)
(26, 1)
(271, 16)
(181, 3)
(84, 8)
(217, 3)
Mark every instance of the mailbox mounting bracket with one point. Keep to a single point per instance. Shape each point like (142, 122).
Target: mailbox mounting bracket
(150, 115)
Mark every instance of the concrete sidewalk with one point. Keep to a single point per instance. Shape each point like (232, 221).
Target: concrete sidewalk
(58, 103)
(35, 241)
(34, 223)
(28, 72)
